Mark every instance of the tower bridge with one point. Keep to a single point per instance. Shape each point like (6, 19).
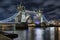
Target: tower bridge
(26, 16)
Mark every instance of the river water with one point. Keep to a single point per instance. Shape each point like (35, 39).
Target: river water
(34, 34)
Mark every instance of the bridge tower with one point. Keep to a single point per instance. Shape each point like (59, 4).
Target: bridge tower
(21, 13)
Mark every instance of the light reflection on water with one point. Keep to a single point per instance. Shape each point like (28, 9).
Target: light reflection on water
(52, 33)
(39, 34)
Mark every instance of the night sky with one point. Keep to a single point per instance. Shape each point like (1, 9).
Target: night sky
(50, 8)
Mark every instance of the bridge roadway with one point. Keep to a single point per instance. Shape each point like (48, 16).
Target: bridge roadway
(29, 24)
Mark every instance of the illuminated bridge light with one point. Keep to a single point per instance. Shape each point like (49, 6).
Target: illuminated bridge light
(37, 22)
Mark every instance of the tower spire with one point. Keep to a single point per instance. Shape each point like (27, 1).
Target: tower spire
(21, 7)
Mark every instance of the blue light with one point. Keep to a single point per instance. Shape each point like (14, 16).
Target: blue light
(37, 22)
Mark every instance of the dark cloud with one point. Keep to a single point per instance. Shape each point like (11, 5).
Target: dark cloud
(37, 1)
(51, 2)
(7, 8)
